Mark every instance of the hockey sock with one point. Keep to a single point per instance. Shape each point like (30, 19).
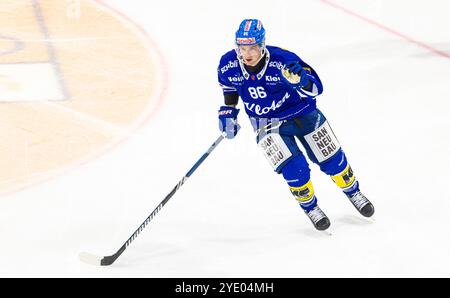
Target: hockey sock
(346, 180)
(305, 195)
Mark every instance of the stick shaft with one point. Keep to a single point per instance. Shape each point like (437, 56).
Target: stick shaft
(108, 260)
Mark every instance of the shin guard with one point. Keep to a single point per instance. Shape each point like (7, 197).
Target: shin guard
(305, 195)
(346, 180)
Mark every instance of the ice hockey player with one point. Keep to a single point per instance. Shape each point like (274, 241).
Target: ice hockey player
(279, 92)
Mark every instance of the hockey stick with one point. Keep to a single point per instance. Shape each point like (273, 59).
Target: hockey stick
(108, 260)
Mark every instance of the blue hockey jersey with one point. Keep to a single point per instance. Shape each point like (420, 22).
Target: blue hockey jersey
(266, 94)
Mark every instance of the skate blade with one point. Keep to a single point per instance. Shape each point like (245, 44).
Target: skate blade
(327, 232)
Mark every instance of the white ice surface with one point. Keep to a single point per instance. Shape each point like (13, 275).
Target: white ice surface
(387, 100)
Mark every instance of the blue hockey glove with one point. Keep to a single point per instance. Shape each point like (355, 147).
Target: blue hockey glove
(228, 121)
(294, 67)
(295, 74)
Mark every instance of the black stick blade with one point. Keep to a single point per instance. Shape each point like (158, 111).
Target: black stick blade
(95, 260)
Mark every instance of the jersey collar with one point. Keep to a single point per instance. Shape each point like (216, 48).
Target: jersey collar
(261, 73)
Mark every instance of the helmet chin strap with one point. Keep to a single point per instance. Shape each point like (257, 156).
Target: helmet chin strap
(263, 51)
(259, 59)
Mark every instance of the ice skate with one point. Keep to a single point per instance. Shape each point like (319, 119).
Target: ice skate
(362, 204)
(318, 218)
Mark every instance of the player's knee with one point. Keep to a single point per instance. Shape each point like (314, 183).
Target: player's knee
(334, 165)
(296, 172)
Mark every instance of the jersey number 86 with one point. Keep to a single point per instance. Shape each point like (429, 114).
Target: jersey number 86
(257, 92)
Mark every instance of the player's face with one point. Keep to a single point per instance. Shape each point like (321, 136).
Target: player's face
(250, 54)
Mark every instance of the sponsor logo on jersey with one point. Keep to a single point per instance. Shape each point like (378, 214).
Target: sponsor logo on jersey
(260, 111)
(230, 64)
(276, 64)
(272, 79)
(236, 79)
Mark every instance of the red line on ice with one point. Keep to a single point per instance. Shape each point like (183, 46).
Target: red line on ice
(386, 28)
